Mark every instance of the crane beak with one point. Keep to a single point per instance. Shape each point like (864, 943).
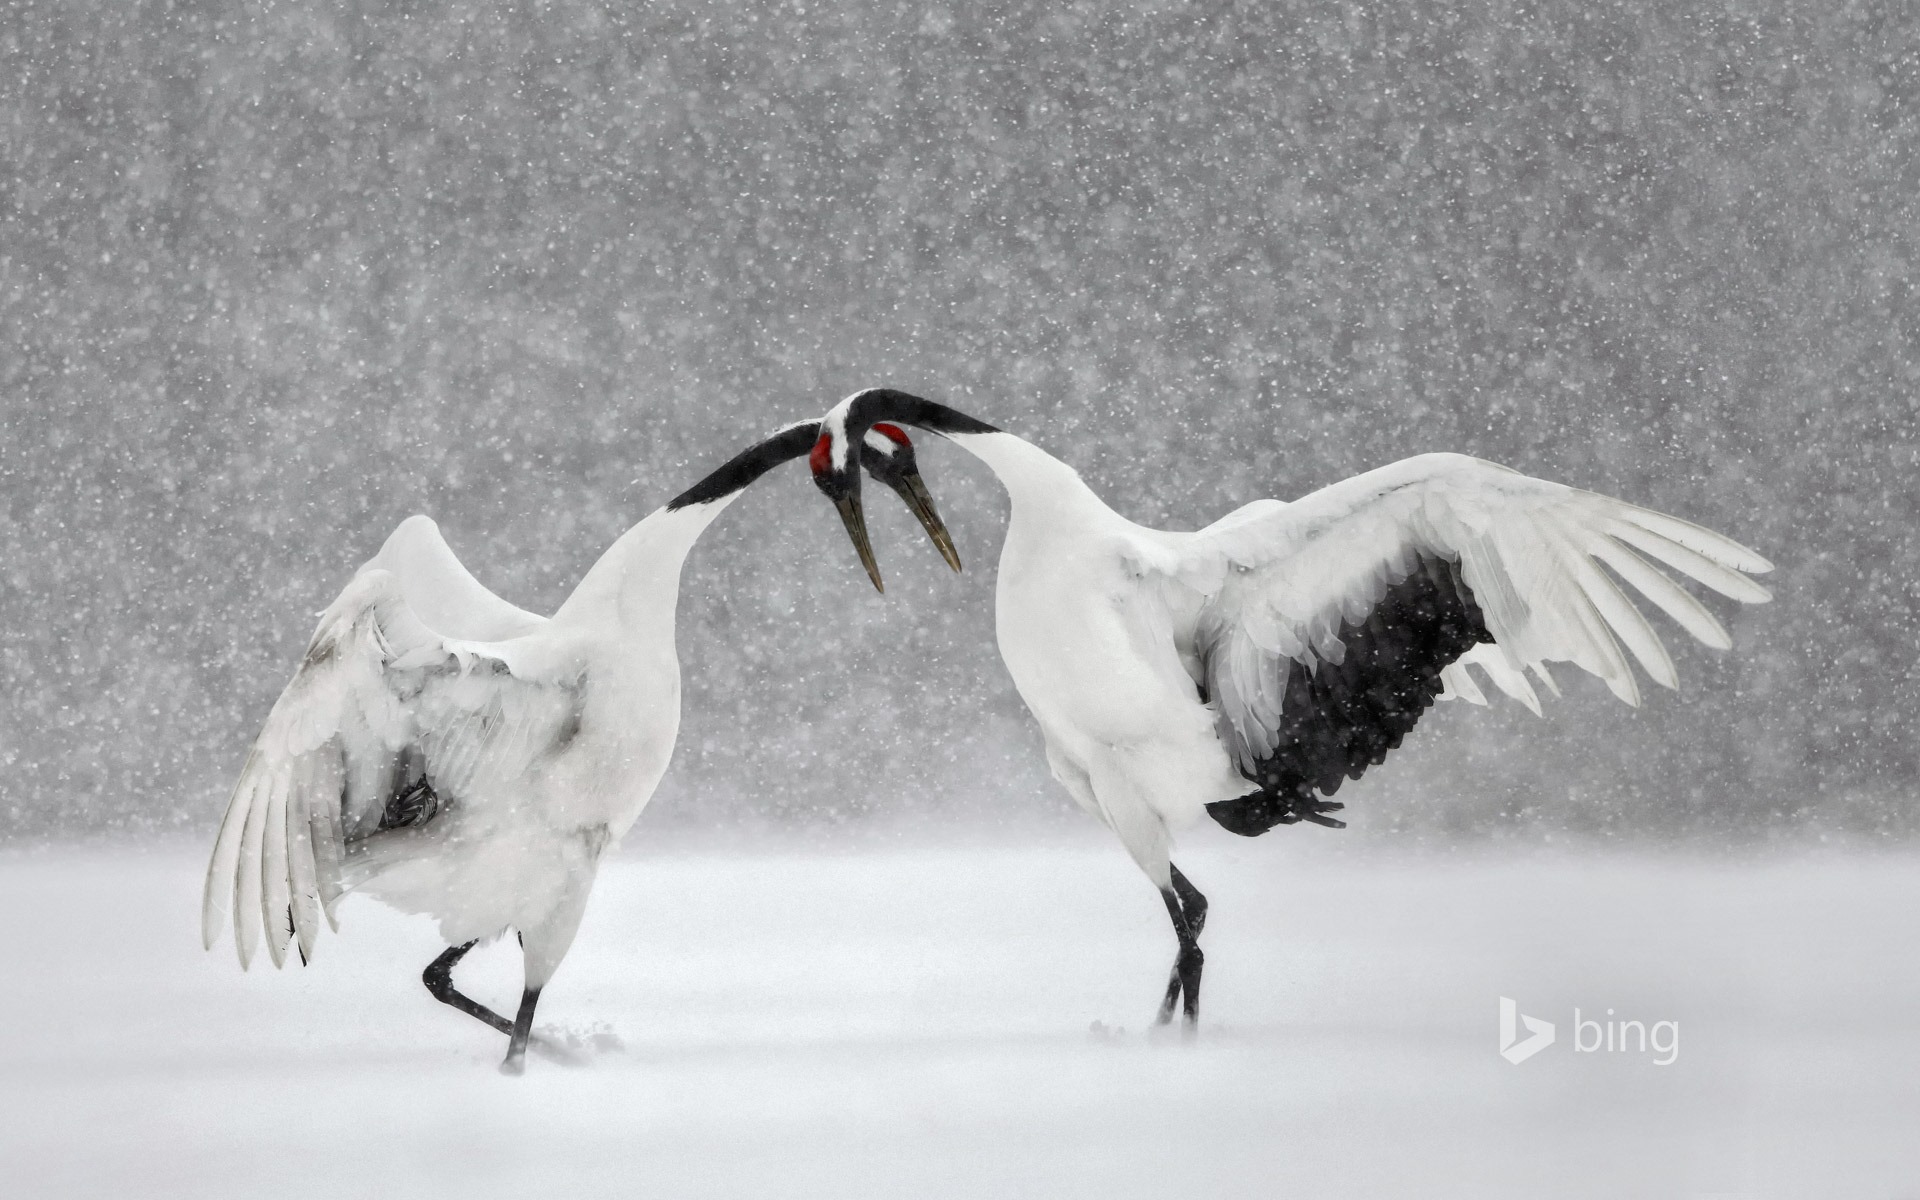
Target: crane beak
(913, 490)
(856, 523)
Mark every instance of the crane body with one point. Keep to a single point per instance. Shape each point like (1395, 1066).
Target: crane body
(1243, 671)
(451, 754)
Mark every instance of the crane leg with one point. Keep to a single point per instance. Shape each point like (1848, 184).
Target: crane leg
(1187, 908)
(439, 980)
(516, 1063)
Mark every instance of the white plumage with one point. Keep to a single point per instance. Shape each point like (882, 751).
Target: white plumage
(1243, 670)
(1276, 581)
(454, 755)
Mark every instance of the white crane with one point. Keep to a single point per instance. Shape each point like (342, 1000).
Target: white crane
(1245, 670)
(457, 756)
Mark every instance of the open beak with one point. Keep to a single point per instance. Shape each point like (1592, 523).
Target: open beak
(856, 523)
(914, 491)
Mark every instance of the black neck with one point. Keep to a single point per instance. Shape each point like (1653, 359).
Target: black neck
(750, 464)
(885, 404)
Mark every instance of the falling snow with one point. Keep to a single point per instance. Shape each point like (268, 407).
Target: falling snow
(277, 275)
(274, 276)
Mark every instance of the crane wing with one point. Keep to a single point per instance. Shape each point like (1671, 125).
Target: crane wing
(443, 592)
(1322, 629)
(380, 704)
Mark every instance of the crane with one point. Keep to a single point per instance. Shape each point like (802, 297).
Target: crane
(452, 754)
(1244, 671)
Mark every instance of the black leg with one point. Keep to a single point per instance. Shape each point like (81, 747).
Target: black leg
(1173, 977)
(1187, 909)
(516, 1063)
(1191, 960)
(439, 980)
(1191, 902)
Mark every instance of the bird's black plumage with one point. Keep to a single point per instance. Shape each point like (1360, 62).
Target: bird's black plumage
(1342, 717)
(750, 464)
(887, 404)
(412, 806)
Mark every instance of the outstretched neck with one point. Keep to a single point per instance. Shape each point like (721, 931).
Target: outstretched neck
(637, 581)
(1038, 484)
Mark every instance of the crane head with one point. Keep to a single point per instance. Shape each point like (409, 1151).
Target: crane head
(871, 420)
(886, 453)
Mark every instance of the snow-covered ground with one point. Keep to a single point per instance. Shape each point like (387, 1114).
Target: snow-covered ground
(969, 1020)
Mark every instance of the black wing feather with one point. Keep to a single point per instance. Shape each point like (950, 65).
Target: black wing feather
(1339, 718)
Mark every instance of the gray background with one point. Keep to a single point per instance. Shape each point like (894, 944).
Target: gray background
(273, 277)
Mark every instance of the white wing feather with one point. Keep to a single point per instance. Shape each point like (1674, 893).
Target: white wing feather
(443, 592)
(1492, 660)
(376, 683)
(1275, 581)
